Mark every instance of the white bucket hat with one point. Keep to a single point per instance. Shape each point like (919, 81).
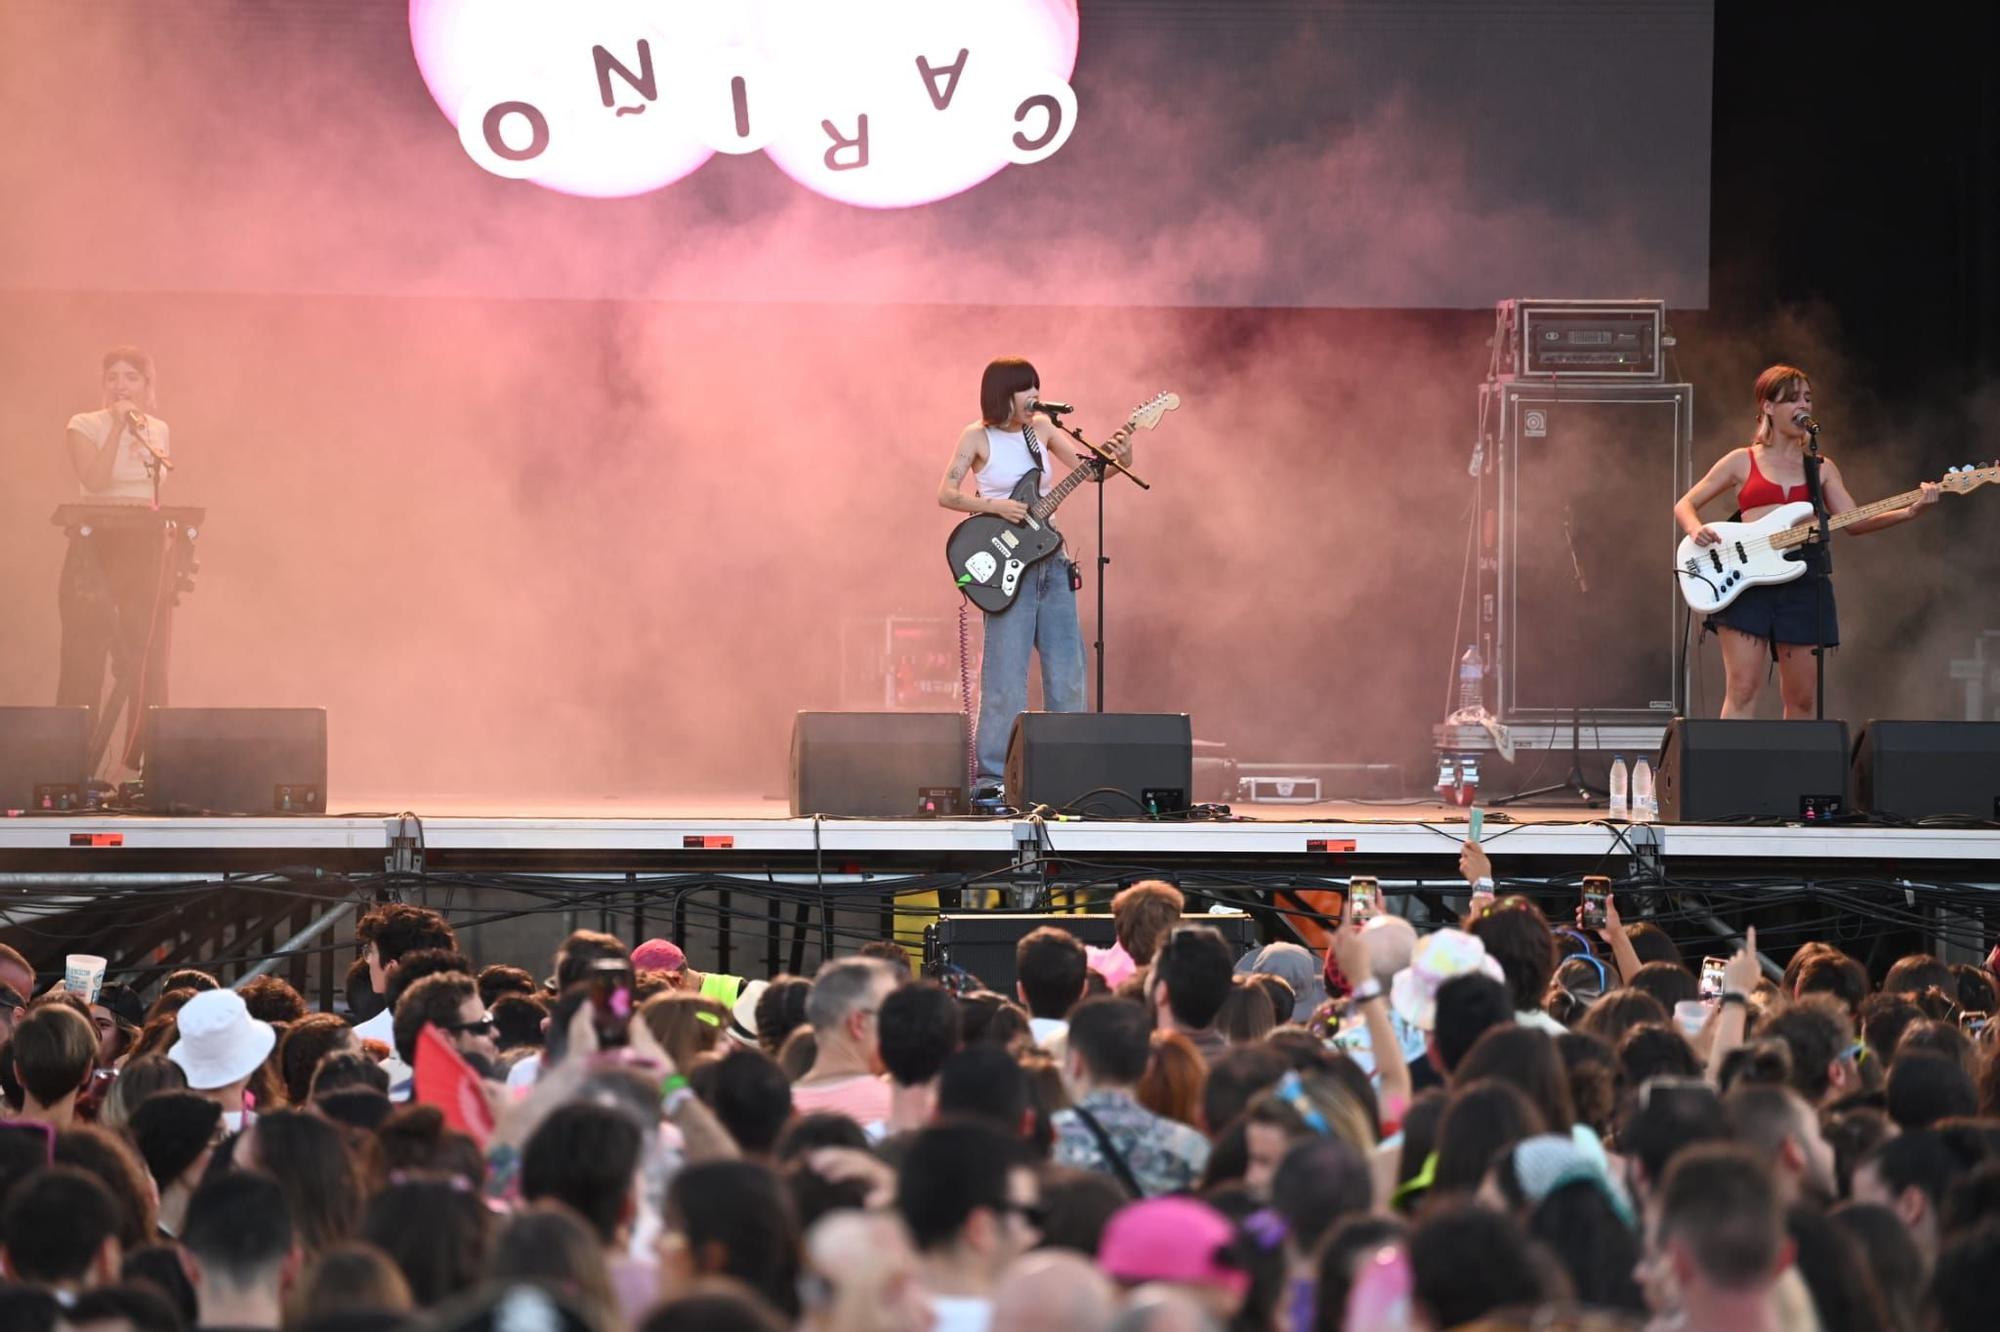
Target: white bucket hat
(220, 1042)
(1439, 957)
(743, 1015)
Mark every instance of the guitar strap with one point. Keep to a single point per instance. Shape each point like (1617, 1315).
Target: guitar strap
(1034, 445)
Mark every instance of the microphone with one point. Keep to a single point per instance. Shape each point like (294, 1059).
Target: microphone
(136, 419)
(1805, 422)
(1051, 408)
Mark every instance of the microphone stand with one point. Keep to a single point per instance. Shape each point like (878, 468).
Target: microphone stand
(1104, 460)
(1823, 575)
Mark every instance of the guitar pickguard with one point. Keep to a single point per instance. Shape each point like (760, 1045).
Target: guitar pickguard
(981, 566)
(1011, 577)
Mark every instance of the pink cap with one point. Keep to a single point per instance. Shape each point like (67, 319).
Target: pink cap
(1176, 1240)
(658, 955)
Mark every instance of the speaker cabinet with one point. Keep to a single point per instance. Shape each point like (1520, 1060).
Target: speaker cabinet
(983, 942)
(1113, 764)
(878, 764)
(1923, 769)
(44, 759)
(1717, 770)
(236, 760)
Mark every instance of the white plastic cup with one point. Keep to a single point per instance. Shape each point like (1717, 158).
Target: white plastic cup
(1691, 1015)
(83, 976)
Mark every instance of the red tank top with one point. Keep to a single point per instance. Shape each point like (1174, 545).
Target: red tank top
(1761, 492)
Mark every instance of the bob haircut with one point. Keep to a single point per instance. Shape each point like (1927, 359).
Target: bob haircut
(997, 387)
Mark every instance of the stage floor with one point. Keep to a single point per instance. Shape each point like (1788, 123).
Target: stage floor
(752, 835)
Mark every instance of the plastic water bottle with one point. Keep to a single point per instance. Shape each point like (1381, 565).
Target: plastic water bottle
(1645, 805)
(1471, 680)
(1620, 804)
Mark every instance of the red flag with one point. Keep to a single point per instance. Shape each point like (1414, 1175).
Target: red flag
(445, 1080)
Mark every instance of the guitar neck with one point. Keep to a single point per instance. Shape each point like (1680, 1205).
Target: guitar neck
(1059, 492)
(1793, 536)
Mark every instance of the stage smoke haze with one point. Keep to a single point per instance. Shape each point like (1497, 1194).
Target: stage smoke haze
(534, 548)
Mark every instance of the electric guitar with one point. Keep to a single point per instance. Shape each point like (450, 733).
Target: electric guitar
(1771, 549)
(987, 554)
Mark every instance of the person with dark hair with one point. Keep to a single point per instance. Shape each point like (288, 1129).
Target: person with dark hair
(986, 1083)
(1892, 1259)
(1002, 451)
(586, 1157)
(1234, 1079)
(843, 1008)
(118, 1167)
(1190, 979)
(1245, 1016)
(1656, 1050)
(1563, 1194)
(1833, 973)
(1517, 936)
(517, 1021)
(1821, 1037)
(59, 1230)
(384, 935)
(1105, 1129)
(1591, 1067)
(1778, 1124)
(1961, 1284)
(750, 1095)
(352, 1281)
(1668, 1116)
(1977, 991)
(1465, 1009)
(1617, 1012)
(1076, 1205)
(128, 1306)
(239, 1241)
(1835, 1271)
(714, 1304)
(221, 1048)
(175, 1133)
(1910, 1175)
(915, 1032)
(969, 1196)
(273, 999)
(448, 1001)
(1924, 1088)
(1467, 1261)
(1481, 1121)
(1669, 982)
(309, 1157)
(436, 1231)
(1050, 965)
(781, 1010)
(54, 1051)
(1917, 974)
(1717, 1226)
(1351, 1242)
(1526, 1057)
(1172, 1083)
(500, 978)
(731, 1219)
(348, 1070)
(1319, 1183)
(307, 1041)
(1883, 1019)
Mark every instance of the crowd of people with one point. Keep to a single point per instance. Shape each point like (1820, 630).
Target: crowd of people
(1507, 1123)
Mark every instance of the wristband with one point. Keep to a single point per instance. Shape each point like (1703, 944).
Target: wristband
(1735, 997)
(677, 1098)
(672, 1083)
(1368, 989)
(1483, 884)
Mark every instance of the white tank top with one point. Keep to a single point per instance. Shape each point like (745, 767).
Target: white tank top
(1007, 461)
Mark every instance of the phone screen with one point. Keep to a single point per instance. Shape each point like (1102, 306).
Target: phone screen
(1596, 893)
(1711, 977)
(610, 1001)
(1362, 898)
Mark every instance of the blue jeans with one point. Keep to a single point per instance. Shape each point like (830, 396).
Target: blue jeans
(1042, 619)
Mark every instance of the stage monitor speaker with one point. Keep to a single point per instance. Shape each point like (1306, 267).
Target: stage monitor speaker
(983, 942)
(236, 760)
(44, 759)
(1114, 764)
(1713, 770)
(878, 764)
(1925, 769)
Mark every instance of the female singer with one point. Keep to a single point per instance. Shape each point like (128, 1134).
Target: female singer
(1001, 447)
(110, 595)
(1784, 620)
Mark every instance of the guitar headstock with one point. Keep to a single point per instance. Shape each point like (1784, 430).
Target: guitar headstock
(1149, 413)
(1959, 480)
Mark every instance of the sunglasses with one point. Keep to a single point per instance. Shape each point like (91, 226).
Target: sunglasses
(1035, 1214)
(482, 1027)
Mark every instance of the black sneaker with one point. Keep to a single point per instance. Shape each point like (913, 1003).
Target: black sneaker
(989, 798)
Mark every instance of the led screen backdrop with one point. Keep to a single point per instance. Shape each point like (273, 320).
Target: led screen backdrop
(1377, 153)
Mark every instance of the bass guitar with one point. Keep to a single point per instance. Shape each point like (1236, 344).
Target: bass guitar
(1770, 550)
(987, 554)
